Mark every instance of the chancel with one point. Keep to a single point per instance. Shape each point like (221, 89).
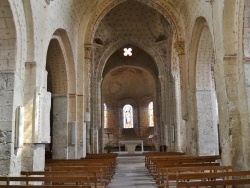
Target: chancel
(86, 78)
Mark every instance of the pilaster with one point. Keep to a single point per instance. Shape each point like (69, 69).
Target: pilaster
(180, 49)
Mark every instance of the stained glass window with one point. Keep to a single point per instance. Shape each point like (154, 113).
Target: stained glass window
(105, 120)
(128, 116)
(151, 114)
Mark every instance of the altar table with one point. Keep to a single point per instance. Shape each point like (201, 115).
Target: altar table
(130, 145)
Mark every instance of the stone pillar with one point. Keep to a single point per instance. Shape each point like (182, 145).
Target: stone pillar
(180, 48)
(207, 124)
(231, 134)
(87, 80)
(162, 127)
(6, 120)
(72, 145)
(81, 128)
(96, 112)
(33, 155)
(60, 127)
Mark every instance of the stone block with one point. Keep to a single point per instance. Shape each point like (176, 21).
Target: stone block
(9, 22)
(7, 112)
(5, 12)
(2, 23)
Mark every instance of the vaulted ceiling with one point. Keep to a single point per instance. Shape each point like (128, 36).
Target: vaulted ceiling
(132, 19)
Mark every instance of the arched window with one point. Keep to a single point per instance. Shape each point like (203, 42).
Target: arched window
(105, 120)
(128, 116)
(151, 114)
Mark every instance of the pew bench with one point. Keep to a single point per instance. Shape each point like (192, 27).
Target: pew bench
(154, 171)
(111, 164)
(49, 186)
(96, 174)
(162, 173)
(205, 179)
(28, 181)
(107, 174)
(152, 168)
(180, 159)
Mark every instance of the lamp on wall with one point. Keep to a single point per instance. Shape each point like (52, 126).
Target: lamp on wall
(19, 124)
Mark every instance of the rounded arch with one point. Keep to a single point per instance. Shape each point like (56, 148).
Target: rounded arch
(56, 67)
(200, 23)
(202, 85)
(117, 45)
(61, 36)
(62, 84)
(134, 111)
(12, 72)
(30, 31)
(161, 6)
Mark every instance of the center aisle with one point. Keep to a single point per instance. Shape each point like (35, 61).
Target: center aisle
(131, 173)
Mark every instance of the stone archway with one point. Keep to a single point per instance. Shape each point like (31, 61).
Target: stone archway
(10, 69)
(207, 107)
(203, 101)
(161, 6)
(96, 52)
(57, 84)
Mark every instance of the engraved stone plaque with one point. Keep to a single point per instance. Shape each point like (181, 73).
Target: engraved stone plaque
(41, 116)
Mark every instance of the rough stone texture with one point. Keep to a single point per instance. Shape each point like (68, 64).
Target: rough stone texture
(60, 128)
(36, 36)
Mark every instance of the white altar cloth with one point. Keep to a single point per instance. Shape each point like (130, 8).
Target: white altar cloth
(130, 145)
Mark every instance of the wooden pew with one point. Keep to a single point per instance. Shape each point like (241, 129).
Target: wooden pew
(206, 179)
(147, 155)
(103, 171)
(90, 181)
(215, 183)
(166, 162)
(162, 174)
(107, 165)
(83, 162)
(180, 159)
(48, 186)
(97, 174)
(154, 171)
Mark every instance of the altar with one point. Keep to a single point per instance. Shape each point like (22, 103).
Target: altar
(130, 145)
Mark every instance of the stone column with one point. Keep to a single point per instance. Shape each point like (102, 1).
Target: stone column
(60, 127)
(33, 155)
(72, 144)
(162, 129)
(6, 120)
(81, 127)
(87, 80)
(97, 111)
(232, 145)
(180, 48)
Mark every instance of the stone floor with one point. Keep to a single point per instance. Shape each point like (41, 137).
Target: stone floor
(131, 173)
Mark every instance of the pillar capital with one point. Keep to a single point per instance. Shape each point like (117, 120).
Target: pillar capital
(88, 51)
(180, 47)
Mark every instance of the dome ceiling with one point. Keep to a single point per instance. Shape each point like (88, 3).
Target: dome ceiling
(128, 82)
(132, 19)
